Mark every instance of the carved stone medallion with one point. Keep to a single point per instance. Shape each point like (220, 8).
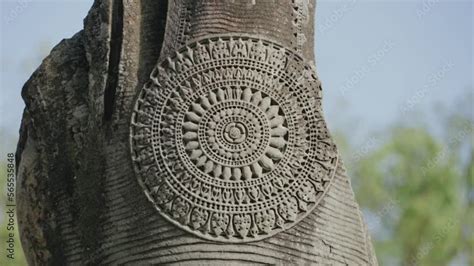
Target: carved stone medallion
(228, 139)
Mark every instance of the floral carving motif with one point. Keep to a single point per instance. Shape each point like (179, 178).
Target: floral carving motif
(234, 133)
(228, 139)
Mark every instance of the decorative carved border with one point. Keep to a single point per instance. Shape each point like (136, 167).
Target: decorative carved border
(228, 139)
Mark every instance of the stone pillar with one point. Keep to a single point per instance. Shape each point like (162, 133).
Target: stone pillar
(187, 132)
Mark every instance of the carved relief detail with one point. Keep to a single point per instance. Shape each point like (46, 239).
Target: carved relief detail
(301, 18)
(228, 139)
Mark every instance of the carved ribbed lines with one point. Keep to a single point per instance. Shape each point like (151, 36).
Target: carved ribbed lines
(331, 234)
(68, 230)
(211, 17)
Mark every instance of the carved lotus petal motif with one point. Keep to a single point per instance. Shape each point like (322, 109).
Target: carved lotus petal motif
(228, 141)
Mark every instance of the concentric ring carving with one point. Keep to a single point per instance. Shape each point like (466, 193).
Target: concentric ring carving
(228, 139)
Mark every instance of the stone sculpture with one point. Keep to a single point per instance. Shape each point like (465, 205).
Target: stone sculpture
(220, 156)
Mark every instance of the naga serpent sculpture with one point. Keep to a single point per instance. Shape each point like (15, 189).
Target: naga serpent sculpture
(217, 154)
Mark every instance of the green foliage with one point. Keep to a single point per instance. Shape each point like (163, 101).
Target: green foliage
(413, 184)
(468, 225)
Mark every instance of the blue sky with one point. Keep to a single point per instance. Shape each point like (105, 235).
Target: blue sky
(413, 57)
(379, 61)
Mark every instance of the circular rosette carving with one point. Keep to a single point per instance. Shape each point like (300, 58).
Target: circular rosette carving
(234, 133)
(228, 139)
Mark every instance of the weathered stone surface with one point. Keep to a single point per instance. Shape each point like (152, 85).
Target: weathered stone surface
(79, 201)
(229, 141)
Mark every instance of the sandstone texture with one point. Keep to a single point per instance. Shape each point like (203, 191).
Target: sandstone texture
(86, 192)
